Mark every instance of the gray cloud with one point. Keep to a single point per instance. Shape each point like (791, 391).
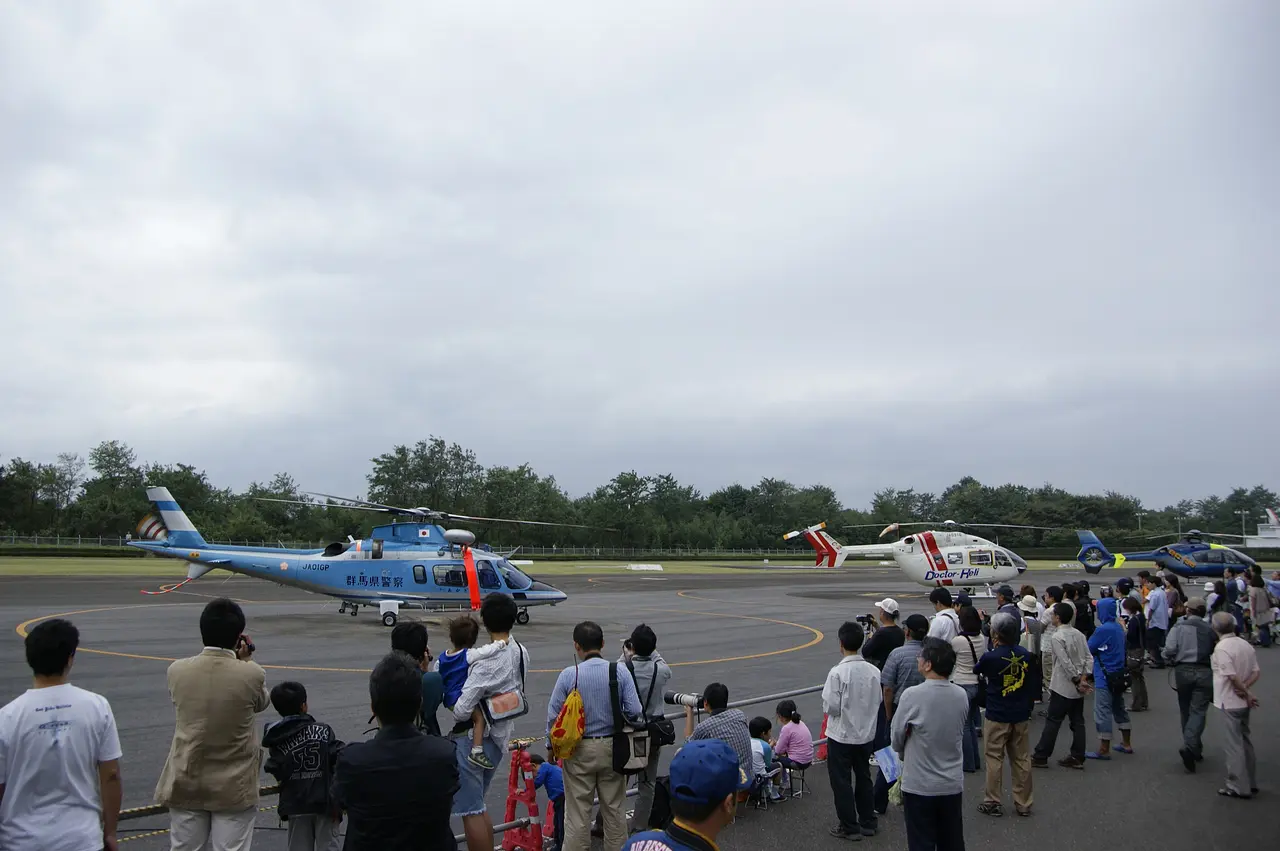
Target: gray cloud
(857, 245)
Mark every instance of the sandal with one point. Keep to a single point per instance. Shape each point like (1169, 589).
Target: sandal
(1097, 755)
(1122, 749)
(991, 808)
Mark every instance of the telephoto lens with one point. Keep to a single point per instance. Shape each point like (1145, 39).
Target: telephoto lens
(678, 698)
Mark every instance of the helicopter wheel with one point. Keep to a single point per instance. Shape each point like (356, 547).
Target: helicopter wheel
(389, 619)
(522, 617)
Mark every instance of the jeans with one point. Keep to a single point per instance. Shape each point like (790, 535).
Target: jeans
(1195, 693)
(853, 800)
(934, 823)
(1264, 634)
(1059, 708)
(969, 739)
(473, 780)
(559, 821)
(1108, 710)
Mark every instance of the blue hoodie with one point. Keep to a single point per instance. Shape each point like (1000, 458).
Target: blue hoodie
(1107, 642)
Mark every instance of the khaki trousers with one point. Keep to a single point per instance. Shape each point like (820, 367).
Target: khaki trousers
(200, 830)
(588, 773)
(1000, 739)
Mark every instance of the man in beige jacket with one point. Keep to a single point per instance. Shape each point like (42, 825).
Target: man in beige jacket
(210, 779)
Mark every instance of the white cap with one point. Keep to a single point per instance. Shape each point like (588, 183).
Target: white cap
(1208, 586)
(889, 604)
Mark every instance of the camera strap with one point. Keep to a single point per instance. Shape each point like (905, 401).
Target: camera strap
(653, 681)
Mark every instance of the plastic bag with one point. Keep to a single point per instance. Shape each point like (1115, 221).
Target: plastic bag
(895, 793)
(570, 726)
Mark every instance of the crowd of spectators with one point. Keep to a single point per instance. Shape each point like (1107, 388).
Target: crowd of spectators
(921, 692)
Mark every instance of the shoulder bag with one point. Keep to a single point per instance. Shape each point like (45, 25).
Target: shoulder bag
(630, 746)
(507, 705)
(662, 731)
(981, 699)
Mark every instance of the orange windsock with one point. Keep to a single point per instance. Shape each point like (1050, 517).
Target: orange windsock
(473, 578)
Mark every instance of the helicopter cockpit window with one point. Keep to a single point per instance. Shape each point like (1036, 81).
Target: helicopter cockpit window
(1230, 557)
(1018, 561)
(980, 558)
(488, 576)
(1002, 559)
(1215, 557)
(516, 580)
(450, 575)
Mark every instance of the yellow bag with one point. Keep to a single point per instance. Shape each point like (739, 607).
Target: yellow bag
(570, 724)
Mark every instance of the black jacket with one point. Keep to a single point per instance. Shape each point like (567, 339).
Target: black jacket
(397, 790)
(301, 755)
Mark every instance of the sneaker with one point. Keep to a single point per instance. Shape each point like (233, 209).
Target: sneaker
(1072, 762)
(991, 808)
(840, 833)
(869, 831)
(1188, 760)
(478, 757)
(1039, 762)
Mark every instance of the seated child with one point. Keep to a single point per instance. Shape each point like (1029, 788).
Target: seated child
(292, 743)
(551, 778)
(454, 664)
(762, 754)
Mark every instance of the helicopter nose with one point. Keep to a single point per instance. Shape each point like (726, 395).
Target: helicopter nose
(544, 588)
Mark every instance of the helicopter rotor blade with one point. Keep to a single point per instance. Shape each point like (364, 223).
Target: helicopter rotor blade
(467, 517)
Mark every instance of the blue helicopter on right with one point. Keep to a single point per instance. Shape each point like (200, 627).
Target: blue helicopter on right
(1190, 557)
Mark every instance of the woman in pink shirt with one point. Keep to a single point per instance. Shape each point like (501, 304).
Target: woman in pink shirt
(794, 745)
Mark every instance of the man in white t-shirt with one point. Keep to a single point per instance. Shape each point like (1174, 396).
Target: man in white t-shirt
(60, 784)
(946, 623)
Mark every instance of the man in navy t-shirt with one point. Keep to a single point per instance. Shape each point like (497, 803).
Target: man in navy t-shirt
(1007, 669)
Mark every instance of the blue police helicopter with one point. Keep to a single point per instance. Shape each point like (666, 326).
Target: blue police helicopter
(402, 565)
(1191, 557)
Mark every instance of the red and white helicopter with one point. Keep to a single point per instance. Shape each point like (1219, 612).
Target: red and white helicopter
(931, 558)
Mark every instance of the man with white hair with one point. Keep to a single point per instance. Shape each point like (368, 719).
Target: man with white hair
(1235, 669)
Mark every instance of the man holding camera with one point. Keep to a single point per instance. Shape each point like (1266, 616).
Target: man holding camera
(651, 674)
(728, 725)
(210, 779)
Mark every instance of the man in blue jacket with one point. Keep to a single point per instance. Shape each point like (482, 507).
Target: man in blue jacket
(1107, 644)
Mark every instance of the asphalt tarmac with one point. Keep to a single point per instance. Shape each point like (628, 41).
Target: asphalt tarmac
(759, 633)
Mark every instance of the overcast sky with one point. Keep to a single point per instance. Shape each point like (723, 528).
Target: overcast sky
(859, 244)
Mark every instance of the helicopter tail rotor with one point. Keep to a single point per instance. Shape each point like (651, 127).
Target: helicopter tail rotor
(1093, 554)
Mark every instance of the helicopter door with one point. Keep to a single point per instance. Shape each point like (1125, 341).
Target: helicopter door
(489, 580)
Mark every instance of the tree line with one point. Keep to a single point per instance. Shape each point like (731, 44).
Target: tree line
(104, 495)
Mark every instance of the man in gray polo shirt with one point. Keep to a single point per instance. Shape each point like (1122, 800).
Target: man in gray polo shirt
(927, 730)
(900, 670)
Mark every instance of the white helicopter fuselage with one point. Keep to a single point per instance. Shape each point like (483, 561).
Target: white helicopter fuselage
(929, 558)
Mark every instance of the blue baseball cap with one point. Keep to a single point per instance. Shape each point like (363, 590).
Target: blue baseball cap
(706, 771)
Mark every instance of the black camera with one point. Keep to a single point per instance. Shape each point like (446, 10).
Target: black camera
(679, 698)
(868, 621)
